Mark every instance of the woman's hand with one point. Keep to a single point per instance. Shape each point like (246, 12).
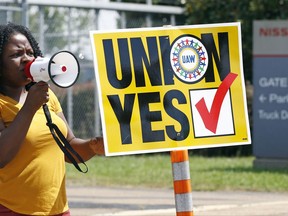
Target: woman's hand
(97, 146)
(85, 148)
(37, 96)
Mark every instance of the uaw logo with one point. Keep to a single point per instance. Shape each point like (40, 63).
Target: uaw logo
(188, 58)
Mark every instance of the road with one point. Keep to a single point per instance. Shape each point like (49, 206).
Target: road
(113, 201)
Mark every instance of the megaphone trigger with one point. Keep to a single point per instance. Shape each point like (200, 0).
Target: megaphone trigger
(62, 69)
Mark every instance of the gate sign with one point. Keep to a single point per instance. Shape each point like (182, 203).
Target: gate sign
(171, 88)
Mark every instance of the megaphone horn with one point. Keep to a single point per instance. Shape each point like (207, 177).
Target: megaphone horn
(62, 69)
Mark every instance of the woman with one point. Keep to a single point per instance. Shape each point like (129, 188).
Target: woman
(32, 166)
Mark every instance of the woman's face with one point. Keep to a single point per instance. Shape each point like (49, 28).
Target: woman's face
(16, 54)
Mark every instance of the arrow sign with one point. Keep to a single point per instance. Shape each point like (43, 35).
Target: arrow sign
(262, 98)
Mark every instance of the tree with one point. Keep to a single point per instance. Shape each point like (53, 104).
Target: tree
(137, 20)
(63, 28)
(244, 11)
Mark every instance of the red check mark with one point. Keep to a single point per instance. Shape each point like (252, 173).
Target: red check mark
(210, 119)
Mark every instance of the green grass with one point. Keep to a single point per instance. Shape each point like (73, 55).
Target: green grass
(154, 171)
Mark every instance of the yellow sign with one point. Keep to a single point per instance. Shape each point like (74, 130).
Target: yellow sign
(169, 88)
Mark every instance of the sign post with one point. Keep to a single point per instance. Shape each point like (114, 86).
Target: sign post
(171, 89)
(182, 184)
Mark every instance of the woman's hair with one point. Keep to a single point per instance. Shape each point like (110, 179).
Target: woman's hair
(6, 31)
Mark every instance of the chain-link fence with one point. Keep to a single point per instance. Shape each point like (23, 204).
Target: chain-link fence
(67, 28)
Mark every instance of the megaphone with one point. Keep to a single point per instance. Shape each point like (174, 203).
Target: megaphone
(62, 69)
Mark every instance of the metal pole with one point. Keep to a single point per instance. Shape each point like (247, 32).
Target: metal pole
(182, 186)
(172, 20)
(148, 15)
(25, 16)
(70, 90)
(41, 29)
(97, 116)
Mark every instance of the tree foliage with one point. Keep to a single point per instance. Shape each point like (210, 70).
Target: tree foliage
(61, 26)
(136, 19)
(50, 15)
(244, 11)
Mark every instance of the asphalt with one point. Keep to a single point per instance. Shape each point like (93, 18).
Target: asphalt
(112, 201)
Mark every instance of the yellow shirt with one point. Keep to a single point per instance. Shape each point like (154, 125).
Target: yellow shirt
(33, 183)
